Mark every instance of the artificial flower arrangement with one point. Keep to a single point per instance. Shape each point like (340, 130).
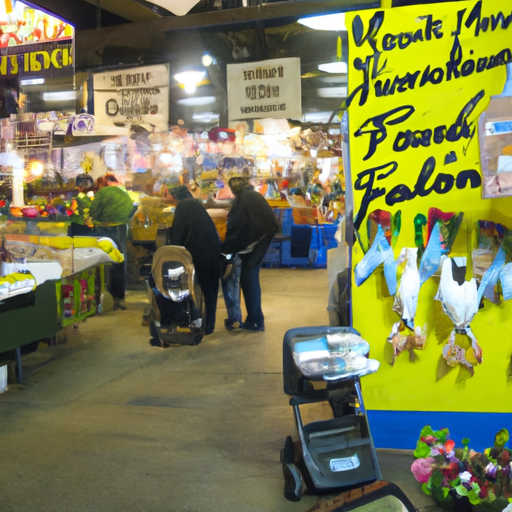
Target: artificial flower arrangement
(462, 479)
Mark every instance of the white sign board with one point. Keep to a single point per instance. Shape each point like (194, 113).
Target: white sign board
(134, 95)
(269, 88)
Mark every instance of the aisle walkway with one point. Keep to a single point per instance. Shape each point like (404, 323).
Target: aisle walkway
(107, 423)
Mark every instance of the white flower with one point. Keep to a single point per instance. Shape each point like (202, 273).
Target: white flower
(465, 476)
(508, 508)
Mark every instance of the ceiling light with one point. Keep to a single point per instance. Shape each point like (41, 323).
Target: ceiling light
(197, 101)
(32, 81)
(334, 67)
(332, 92)
(190, 79)
(59, 96)
(207, 60)
(206, 117)
(326, 22)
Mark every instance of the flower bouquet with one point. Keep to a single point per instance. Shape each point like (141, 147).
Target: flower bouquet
(461, 479)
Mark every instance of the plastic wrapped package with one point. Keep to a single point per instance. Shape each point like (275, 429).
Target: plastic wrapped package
(335, 356)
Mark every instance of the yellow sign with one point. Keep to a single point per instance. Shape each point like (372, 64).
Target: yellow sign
(49, 56)
(419, 78)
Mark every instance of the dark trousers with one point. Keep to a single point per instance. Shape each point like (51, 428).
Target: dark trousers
(250, 284)
(208, 280)
(116, 283)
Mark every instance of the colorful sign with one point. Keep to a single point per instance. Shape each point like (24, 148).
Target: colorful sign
(34, 43)
(269, 88)
(139, 95)
(419, 78)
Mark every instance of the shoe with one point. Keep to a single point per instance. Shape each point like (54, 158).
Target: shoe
(252, 327)
(119, 304)
(232, 326)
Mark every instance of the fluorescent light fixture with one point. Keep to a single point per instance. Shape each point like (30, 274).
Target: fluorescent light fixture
(190, 79)
(334, 67)
(325, 22)
(197, 101)
(332, 92)
(333, 79)
(206, 117)
(59, 96)
(319, 117)
(32, 81)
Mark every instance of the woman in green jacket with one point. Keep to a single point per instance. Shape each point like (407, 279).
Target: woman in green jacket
(111, 211)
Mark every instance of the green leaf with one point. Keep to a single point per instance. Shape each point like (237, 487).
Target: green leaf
(426, 431)
(501, 438)
(461, 490)
(491, 497)
(436, 478)
(474, 497)
(425, 488)
(442, 434)
(422, 450)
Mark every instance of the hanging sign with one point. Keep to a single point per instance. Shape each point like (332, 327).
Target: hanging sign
(269, 88)
(34, 43)
(134, 95)
(419, 78)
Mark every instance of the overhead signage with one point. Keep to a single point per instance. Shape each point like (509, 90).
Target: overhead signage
(269, 88)
(133, 95)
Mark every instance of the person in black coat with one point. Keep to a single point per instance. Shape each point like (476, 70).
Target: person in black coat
(194, 229)
(251, 226)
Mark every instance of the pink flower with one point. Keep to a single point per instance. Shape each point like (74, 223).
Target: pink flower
(422, 469)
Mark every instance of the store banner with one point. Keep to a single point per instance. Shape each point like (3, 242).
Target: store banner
(269, 88)
(135, 95)
(419, 79)
(34, 43)
(41, 60)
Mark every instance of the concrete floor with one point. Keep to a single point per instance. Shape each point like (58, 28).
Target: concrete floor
(105, 422)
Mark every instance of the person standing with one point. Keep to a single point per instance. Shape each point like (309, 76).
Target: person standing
(111, 211)
(194, 229)
(251, 226)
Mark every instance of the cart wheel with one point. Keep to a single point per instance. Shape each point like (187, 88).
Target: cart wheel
(291, 473)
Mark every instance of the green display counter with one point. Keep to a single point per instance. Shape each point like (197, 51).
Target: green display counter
(27, 318)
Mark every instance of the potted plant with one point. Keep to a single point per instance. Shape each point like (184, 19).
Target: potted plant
(461, 479)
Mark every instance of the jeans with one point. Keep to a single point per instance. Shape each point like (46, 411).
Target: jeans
(250, 283)
(231, 292)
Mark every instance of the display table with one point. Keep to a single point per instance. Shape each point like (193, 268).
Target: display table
(27, 318)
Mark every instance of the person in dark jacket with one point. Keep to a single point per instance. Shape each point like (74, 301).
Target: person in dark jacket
(251, 226)
(194, 229)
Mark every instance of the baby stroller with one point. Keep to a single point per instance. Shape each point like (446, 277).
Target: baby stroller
(175, 298)
(324, 364)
